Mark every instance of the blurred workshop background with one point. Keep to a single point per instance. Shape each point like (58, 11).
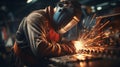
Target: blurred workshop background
(12, 12)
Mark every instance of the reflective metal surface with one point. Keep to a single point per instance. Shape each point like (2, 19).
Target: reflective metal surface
(85, 60)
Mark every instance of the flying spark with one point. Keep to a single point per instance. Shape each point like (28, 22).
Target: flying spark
(95, 34)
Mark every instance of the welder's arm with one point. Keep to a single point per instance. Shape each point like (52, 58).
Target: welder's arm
(37, 33)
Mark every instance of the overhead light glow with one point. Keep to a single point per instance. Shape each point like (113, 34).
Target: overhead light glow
(29, 1)
(99, 8)
(92, 7)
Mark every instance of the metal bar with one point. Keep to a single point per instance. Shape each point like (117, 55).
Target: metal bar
(108, 15)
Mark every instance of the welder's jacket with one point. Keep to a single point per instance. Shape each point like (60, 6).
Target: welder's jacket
(36, 34)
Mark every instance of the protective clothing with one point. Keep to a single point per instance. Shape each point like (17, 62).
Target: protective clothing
(36, 34)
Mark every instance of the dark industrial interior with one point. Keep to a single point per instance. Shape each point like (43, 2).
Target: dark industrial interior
(106, 49)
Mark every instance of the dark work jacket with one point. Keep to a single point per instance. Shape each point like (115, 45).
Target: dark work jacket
(36, 33)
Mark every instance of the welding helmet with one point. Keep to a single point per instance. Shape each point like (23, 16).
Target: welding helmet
(66, 16)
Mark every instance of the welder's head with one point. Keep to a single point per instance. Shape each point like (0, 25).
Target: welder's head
(67, 15)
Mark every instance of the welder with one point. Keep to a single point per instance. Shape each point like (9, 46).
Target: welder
(39, 35)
